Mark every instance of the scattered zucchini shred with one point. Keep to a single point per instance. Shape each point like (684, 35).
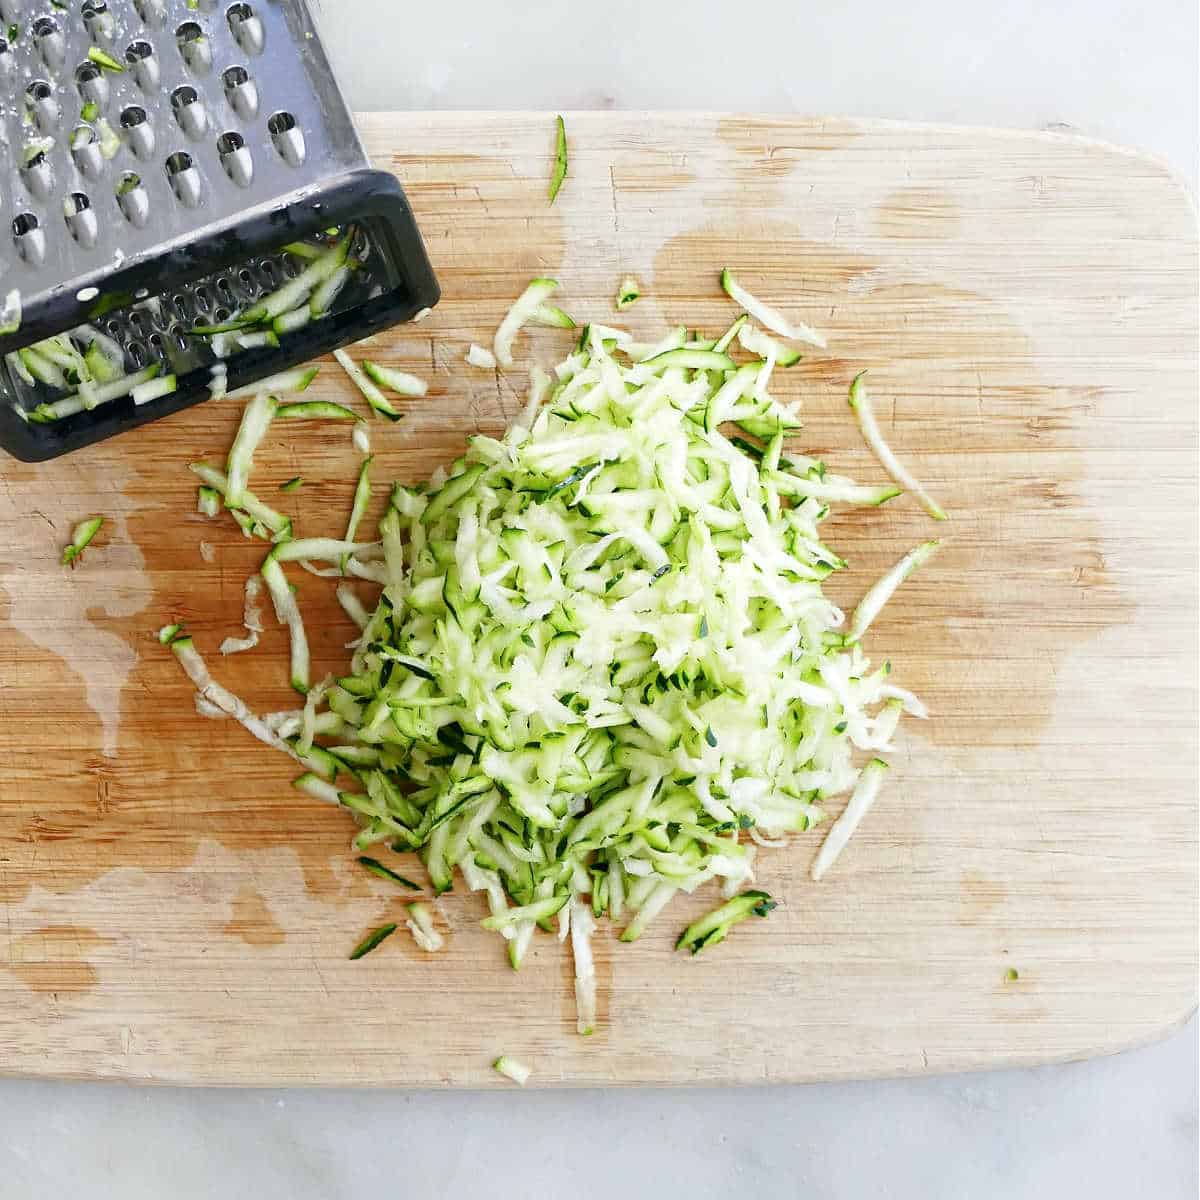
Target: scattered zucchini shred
(372, 940)
(81, 538)
(560, 158)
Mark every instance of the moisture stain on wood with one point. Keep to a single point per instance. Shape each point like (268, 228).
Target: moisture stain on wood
(53, 960)
(918, 212)
(252, 921)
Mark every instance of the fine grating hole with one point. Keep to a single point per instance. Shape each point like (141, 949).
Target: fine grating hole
(24, 223)
(156, 341)
(203, 299)
(113, 327)
(137, 319)
(246, 278)
(226, 292)
(136, 354)
(268, 272)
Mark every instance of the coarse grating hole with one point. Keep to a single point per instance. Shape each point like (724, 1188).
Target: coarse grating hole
(39, 89)
(24, 223)
(222, 315)
(44, 27)
(143, 64)
(132, 116)
(189, 110)
(152, 12)
(189, 31)
(229, 142)
(136, 353)
(247, 29)
(137, 319)
(288, 137)
(81, 220)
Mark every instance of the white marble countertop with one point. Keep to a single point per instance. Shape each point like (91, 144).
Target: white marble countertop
(1113, 1128)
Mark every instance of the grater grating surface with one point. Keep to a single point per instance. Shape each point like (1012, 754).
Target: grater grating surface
(148, 199)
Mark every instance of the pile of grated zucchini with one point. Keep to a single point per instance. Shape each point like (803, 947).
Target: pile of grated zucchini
(602, 670)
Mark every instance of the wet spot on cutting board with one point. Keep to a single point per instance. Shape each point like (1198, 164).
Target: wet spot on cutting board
(979, 897)
(53, 960)
(252, 920)
(916, 212)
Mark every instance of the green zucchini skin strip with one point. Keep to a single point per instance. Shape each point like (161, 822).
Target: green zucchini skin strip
(561, 159)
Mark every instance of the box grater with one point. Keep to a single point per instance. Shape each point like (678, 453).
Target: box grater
(160, 155)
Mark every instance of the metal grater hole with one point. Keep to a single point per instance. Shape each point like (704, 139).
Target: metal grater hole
(247, 29)
(139, 133)
(36, 174)
(241, 92)
(39, 96)
(6, 59)
(291, 267)
(51, 44)
(203, 299)
(268, 273)
(225, 291)
(97, 18)
(185, 179)
(156, 341)
(152, 12)
(137, 320)
(92, 85)
(136, 353)
(189, 111)
(194, 47)
(142, 64)
(85, 152)
(113, 327)
(288, 138)
(235, 158)
(133, 200)
(222, 315)
(81, 220)
(29, 237)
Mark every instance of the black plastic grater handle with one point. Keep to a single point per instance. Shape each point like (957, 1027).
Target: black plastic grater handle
(371, 197)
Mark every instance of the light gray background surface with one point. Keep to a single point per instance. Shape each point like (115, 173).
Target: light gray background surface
(1109, 1129)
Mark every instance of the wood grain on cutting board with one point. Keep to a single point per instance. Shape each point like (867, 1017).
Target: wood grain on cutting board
(1025, 303)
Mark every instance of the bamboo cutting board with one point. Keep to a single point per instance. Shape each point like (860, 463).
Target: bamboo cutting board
(174, 911)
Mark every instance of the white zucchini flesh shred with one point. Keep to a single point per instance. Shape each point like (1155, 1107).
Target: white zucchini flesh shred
(860, 402)
(602, 657)
(522, 312)
(513, 1069)
(764, 314)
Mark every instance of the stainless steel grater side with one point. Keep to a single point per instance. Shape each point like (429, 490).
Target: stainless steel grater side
(158, 156)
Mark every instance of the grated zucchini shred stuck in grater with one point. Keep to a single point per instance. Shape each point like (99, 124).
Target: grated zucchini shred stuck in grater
(187, 200)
